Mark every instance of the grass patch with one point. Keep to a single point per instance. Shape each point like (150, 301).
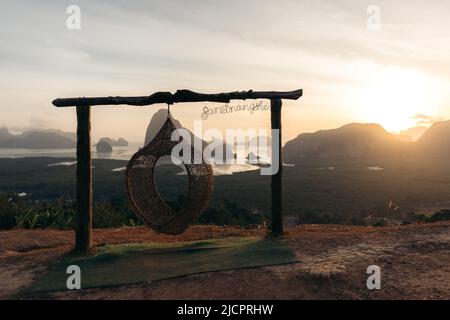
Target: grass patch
(115, 265)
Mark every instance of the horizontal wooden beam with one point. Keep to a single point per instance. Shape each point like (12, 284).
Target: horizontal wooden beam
(179, 96)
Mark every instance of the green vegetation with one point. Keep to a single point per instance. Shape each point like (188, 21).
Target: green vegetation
(443, 215)
(229, 213)
(59, 214)
(312, 192)
(158, 261)
(14, 213)
(8, 213)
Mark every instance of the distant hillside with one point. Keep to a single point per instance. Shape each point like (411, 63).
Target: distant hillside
(36, 139)
(71, 135)
(157, 121)
(412, 134)
(103, 147)
(368, 142)
(352, 141)
(4, 134)
(435, 142)
(121, 142)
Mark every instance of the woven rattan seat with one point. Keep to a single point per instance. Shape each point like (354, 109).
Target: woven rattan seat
(145, 200)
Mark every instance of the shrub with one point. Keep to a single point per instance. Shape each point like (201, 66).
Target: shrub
(7, 213)
(26, 218)
(358, 221)
(105, 215)
(44, 216)
(229, 213)
(443, 215)
(58, 214)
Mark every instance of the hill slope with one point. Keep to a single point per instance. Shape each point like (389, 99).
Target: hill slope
(352, 141)
(367, 142)
(37, 139)
(435, 142)
(414, 261)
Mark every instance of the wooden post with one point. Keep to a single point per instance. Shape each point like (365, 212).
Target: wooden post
(276, 183)
(83, 229)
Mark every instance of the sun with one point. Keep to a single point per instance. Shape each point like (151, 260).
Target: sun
(393, 96)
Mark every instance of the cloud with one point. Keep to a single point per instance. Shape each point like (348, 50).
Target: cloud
(424, 119)
(139, 47)
(421, 116)
(42, 123)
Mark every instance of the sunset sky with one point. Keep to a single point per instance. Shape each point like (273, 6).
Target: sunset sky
(396, 75)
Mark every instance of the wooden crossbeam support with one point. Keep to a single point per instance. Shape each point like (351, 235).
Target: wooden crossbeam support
(276, 179)
(179, 96)
(83, 231)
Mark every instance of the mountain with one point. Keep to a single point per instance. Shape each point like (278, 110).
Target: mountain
(4, 134)
(352, 141)
(412, 134)
(157, 122)
(435, 142)
(36, 139)
(121, 142)
(103, 147)
(70, 135)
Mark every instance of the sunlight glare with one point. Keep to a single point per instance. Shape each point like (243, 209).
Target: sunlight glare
(393, 96)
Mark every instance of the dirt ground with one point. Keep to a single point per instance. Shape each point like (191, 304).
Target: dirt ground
(414, 262)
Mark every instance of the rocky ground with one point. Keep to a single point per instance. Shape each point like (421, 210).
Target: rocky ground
(414, 262)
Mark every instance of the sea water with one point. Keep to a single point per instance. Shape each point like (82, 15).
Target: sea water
(118, 153)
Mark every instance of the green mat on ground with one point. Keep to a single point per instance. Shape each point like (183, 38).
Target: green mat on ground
(114, 265)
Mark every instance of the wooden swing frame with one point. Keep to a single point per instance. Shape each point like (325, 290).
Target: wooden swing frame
(83, 229)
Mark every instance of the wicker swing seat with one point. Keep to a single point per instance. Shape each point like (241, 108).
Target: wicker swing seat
(144, 198)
